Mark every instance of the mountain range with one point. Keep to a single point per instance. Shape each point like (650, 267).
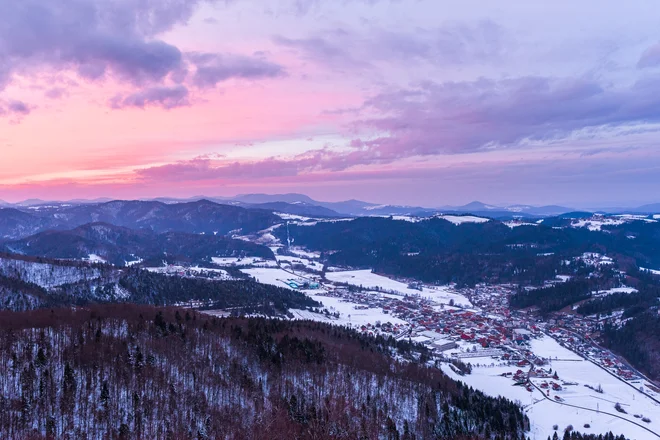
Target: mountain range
(82, 211)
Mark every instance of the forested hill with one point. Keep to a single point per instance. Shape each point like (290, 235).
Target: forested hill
(118, 245)
(132, 372)
(28, 283)
(437, 250)
(195, 217)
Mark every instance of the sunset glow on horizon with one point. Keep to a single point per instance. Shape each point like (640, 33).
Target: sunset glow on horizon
(394, 101)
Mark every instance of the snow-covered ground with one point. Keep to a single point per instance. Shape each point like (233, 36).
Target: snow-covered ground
(460, 219)
(595, 259)
(515, 223)
(370, 280)
(93, 258)
(547, 348)
(348, 314)
(653, 271)
(245, 261)
(633, 217)
(270, 275)
(174, 269)
(290, 261)
(304, 253)
(285, 216)
(615, 290)
(573, 373)
(46, 275)
(596, 223)
(133, 262)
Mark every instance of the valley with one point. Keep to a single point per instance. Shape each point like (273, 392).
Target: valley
(516, 308)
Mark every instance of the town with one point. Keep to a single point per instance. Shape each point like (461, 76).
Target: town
(473, 335)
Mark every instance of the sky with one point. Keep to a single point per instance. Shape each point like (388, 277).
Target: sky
(415, 102)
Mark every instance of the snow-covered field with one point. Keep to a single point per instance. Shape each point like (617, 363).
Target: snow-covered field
(547, 348)
(133, 262)
(274, 276)
(93, 258)
(349, 315)
(595, 259)
(653, 271)
(172, 269)
(633, 217)
(460, 219)
(304, 253)
(596, 224)
(615, 290)
(246, 261)
(309, 264)
(589, 406)
(514, 224)
(370, 280)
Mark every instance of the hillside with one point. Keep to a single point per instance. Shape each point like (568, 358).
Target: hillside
(195, 217)
(468, 250)
(135, 372)
(119, 245)
(28, 283)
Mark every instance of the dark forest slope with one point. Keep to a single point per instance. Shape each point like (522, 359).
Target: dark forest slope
(129, 372)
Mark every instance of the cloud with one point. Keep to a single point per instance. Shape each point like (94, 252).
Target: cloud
(92, 37)
(165, 97)
(207, 169)
(55, 93)
(461, 117)
(449, 44)
(305, 7)
(18, 107)
(212, 69)
(650, 57)
(14, 108)
(97, 39)
(204, 168)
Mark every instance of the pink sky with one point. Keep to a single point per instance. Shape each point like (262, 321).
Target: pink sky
(393, 101)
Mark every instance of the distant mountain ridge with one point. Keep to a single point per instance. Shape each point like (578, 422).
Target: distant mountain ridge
(303, 205)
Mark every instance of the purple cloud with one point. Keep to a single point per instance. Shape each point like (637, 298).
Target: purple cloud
(207, 169)
(304, 7)
(461, 117)
(650, 57)
(93, 37)
(14, 108)
(165, 97)
(114, 37)
(55, 93)
(450, 44)
(215, 68)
